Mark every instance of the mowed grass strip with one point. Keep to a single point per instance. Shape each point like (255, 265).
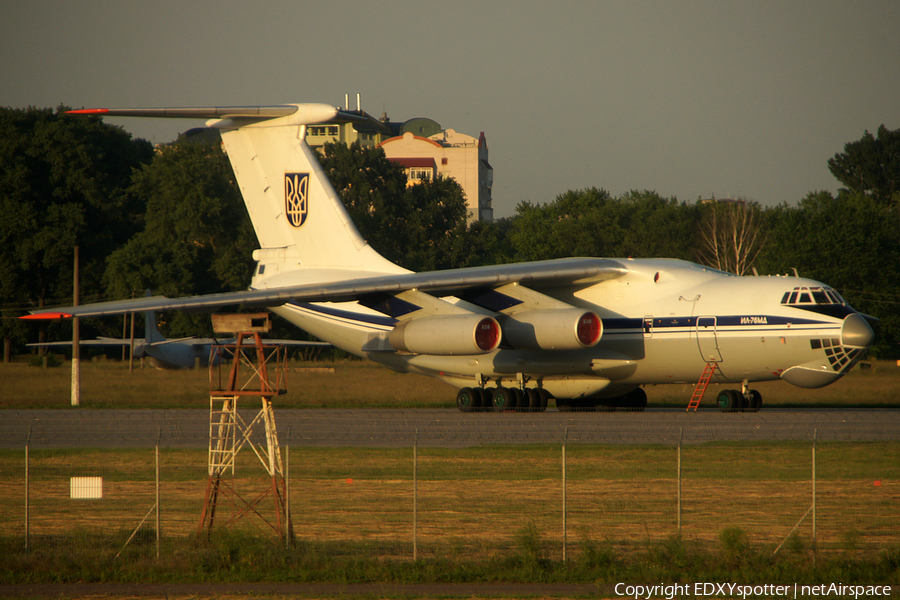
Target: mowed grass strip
(109, 384)
(478, 501)
(363, 384)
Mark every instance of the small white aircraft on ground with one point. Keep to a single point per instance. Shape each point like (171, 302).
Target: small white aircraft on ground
(179, 353)
(587, 331)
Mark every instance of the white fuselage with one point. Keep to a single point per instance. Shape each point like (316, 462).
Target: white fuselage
(662, 322)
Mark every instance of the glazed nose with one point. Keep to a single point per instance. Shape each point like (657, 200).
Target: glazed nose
(856, 333)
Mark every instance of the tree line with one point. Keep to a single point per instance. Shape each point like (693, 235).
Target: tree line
(170, 219)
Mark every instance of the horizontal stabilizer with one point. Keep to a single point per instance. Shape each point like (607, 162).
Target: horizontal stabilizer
(303, 114)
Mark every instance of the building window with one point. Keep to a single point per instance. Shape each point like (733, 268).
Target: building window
(419, 174)
(323, 130)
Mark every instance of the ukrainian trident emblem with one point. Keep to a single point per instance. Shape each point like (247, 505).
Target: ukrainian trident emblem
(296, 186)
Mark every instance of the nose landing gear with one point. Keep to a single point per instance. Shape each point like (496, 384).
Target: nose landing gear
(746, 400)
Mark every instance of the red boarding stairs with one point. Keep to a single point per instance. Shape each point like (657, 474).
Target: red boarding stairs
(701, 387)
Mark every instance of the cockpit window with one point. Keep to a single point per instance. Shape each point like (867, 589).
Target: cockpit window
(815, 295)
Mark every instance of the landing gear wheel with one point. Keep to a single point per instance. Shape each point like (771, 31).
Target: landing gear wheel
(502, 399)
(545, 396)
(534, 400)
(755, 402)
(636, 400)
(729, 401)
(564, 405)
(466, 400)
(482, 398)
(519, 399)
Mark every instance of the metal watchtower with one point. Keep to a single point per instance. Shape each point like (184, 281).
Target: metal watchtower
(247, 361)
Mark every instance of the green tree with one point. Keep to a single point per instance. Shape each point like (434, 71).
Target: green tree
(850, 242)
(416, 226)
(571, 225)
(435, 220)
(197, 237)
(484, 243)
(63, 183)
(590, 222)
(871, 165)
(653, 226)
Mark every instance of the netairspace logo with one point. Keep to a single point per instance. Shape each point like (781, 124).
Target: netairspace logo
(738, 590)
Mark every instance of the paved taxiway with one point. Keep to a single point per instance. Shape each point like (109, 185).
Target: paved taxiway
(189, 428)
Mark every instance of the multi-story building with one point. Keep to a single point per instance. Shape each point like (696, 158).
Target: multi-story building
(425, 150)
(447, 153)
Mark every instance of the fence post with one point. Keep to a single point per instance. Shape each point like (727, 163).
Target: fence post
(416, 496)
(815, 439)
(27, 491)
(287, 496)
(158, 534)
(679, 480)
(564, 531)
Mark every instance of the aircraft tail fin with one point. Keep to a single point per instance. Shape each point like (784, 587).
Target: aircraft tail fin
(299, 220)
(151, 333)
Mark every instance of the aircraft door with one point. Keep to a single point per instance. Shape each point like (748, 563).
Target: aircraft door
(707, 340)
(648, 327)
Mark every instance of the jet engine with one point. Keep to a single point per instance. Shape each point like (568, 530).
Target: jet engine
(447, 334)
(553, 329)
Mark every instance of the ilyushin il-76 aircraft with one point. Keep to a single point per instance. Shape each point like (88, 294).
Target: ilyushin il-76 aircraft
(588, 332)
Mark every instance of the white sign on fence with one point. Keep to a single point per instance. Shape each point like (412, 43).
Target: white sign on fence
(86, 488)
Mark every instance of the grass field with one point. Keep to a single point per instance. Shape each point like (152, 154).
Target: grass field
(109, 384)
(483, 512)
(491, 513)
(363, 384)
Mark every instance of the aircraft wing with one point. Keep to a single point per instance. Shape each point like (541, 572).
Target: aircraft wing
(220, 342)
(186, 341)
(538, 274)
(101, 341)
(297, 343)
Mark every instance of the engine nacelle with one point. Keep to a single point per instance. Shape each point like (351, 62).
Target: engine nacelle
(447, 334)
(553, 329)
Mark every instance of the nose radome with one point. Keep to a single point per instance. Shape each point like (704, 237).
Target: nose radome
(856, 332)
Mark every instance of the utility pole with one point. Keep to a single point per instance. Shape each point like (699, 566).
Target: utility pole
(76, 352)
(131, 343)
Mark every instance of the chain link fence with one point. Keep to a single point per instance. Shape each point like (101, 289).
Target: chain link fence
(420, 484)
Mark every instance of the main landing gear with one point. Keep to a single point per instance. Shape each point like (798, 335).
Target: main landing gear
(745, 400)
(500, 399)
